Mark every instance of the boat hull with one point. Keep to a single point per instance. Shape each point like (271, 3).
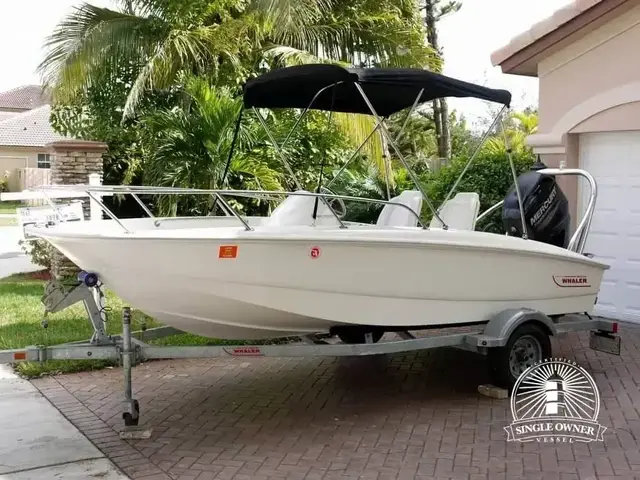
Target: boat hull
(252, 285)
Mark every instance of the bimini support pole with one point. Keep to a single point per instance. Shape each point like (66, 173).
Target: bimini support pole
(299, 119)
(474, 155)
(412, 174)
(375, 129)
(515, 179)
(277, 147)
(306, 110)
(346, 164)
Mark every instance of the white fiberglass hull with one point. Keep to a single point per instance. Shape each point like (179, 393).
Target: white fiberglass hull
(297, 280)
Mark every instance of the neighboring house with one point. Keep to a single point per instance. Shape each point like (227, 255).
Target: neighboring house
(24, 131)
(21, 99)
(585, 57)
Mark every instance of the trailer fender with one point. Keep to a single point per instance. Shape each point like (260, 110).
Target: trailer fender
(497, 332)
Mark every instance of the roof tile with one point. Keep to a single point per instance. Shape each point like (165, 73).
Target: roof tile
(29, 129)
(25, 97)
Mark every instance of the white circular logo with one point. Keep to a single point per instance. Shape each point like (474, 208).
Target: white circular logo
(555, 401)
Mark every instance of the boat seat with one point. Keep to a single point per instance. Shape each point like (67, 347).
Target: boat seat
(396, 216)
(459, 212)
(298, 210)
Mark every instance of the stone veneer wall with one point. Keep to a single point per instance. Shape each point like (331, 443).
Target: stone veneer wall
(73, 161)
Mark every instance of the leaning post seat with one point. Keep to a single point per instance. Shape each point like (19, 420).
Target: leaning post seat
(396, 216)
(459, 212)
(298, 210)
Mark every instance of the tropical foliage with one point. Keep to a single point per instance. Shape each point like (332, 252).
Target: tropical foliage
(513, 133)
(489, 175)
(161, 80)
(158, 40)
(190, 146)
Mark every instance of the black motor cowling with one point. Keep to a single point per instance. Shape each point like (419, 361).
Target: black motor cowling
(546, 209)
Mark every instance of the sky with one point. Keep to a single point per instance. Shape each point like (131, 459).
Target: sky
(467, 37)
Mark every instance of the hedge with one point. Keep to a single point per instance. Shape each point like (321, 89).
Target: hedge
(489, 175)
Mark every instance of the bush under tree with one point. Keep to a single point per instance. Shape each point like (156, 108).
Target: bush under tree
(489, 175)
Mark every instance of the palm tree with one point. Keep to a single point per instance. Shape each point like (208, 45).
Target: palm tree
(191, 145)
(517, 127)
(162, 39)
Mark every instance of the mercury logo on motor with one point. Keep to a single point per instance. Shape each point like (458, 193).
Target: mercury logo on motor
(545, 206)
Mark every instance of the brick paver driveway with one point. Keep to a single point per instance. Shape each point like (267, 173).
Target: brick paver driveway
(400, 416)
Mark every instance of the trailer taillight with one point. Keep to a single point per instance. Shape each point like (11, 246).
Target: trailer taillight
(614, 327)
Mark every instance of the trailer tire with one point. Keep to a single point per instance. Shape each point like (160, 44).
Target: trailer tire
(527, 345)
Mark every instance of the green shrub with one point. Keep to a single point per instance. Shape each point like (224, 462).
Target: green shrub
(40, 252)
(4, 182)
(489, 175)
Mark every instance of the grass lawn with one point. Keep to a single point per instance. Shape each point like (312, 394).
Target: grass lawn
(9, 207)
(21, 313)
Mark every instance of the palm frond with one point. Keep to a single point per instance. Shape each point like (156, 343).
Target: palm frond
(285, 55)
(193, 50)
(289, 15)
(357, 128)
(89, 41)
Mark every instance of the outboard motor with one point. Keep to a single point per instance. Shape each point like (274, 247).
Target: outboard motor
(546, 209)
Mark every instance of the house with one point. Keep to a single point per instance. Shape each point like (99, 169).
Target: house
(585, 58)
(24, 132)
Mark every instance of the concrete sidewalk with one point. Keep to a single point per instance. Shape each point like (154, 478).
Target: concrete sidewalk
(12, 257)
(38, 442)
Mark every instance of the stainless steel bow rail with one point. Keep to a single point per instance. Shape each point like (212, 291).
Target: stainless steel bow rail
(576, 244)
(93, 192)
(500, 339)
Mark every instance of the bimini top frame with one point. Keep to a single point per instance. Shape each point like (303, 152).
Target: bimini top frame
(371, 91)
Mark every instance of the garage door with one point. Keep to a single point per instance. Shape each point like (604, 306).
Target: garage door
(613, 158)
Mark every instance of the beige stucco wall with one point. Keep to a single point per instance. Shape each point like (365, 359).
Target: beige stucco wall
(18, 158)
(12, 159)
(591, 85)
(603, 60)
(622, 117)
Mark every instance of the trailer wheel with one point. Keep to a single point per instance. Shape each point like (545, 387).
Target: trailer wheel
(527, 345)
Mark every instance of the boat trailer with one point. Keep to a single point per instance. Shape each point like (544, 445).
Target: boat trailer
(513, 340)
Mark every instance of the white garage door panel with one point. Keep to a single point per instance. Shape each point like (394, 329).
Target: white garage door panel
(613, 158)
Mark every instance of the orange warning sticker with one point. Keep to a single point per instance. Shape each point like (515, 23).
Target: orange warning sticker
(228, 251)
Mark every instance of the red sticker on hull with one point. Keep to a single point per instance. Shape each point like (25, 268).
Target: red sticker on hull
(228, 251)
(571, 280)
(314, 252)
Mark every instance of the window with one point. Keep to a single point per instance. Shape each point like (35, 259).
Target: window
(44, 160)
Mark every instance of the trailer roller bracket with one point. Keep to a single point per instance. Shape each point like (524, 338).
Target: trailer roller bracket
(89, 291)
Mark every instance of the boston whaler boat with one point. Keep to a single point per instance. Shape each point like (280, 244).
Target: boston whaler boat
(304, 269)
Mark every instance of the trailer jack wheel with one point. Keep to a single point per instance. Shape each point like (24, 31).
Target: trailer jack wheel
(527, 345)
(129, 419)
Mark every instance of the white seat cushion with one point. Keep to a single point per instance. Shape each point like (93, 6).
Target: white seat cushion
(396, 216)
(459, 212)
(298, 210)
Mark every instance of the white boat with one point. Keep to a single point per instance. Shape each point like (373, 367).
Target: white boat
(297, 272)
